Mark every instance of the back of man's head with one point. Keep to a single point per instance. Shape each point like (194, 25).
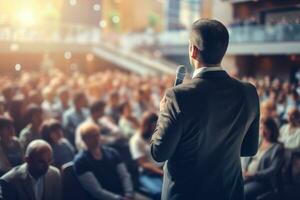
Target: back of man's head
(211, 39)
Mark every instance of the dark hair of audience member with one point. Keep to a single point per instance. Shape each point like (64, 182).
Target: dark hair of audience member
(5, 122)
(272, 130)
(48, 127)
(97, 106)
(31, 111)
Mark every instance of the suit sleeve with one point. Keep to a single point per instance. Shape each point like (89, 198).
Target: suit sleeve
(250, 141)
(168, 130)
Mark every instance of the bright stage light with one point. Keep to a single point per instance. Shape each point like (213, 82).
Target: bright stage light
(116, 19)
(18, 67)
(102, 24)
(26, 17)
(73, 2)
(97, 7)
(68, 55)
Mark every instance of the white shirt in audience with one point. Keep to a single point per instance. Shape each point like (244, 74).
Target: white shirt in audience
(37, 186)
(290, 136)
(140, 148)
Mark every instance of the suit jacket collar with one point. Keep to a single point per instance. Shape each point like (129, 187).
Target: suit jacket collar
(212, 74)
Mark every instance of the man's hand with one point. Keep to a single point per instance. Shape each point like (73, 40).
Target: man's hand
(247, 174)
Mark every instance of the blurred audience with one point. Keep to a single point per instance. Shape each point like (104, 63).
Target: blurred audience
(290, 132)
(52, 132)
(262, 171)
(35, 179)
(33, 120)
(150, 171)
(56, 107)
(127, 123)
(63, 101)
(11, 153)
(76, 114)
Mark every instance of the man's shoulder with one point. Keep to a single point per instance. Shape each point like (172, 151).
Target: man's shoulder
(81, 156)
(53, 171)
(15, 174)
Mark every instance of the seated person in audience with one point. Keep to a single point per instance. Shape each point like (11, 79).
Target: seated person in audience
(150, 171)
(113, 108)
(262, 170)
(63, 151)
(99, 169)
(127, 123)
(34, 119)
(75, 115)
(290, 132)
(109, 131)
(35, 179)
(48, 102)
(63, 101)
(11, 153)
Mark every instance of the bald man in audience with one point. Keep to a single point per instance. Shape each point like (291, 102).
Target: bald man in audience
(35, 179)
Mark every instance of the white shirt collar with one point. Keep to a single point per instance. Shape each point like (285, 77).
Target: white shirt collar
(206, 69)
(37, 186)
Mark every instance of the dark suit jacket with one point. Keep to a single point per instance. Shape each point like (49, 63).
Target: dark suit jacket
(16, 184)
(269, 166)
(206, 126)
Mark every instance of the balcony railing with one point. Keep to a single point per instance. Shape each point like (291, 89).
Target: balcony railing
(66, 33)
(265, 33)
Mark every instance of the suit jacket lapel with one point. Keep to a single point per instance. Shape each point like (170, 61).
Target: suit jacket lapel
(27, 184)
(46, 182)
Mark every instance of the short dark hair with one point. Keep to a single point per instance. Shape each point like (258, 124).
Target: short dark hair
(271, 125)
(5, 122)
(47, 127)
(211, 38)
(31, 111)
(96, 106)
(78, 96)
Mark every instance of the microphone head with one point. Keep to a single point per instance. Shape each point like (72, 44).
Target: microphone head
(180, 72)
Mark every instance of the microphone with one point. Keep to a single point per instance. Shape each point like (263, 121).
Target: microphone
(180, 74)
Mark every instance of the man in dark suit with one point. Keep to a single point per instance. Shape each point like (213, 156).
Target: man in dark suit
(205, 125)
(34, 180)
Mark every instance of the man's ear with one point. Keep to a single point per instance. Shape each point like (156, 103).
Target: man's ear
(195, 53)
